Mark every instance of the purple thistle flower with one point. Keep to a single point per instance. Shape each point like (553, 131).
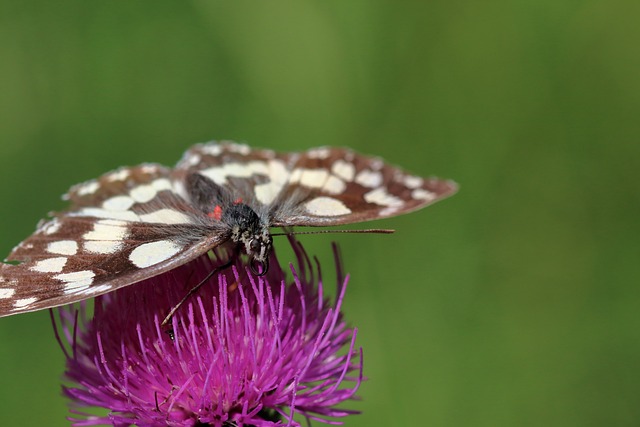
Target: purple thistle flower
(246, 350)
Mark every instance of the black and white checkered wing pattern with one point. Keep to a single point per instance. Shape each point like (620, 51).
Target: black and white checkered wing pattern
(235, 171)
(134, 223)
(319, 187)
(126, 226)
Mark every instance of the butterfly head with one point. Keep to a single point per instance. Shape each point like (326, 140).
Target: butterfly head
(251, 234)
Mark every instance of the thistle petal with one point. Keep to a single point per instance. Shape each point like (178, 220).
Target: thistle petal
(245, 351)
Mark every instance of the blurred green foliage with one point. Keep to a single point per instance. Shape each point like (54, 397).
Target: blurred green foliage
(514, 303)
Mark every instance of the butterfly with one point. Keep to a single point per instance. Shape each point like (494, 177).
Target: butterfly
(137, 222)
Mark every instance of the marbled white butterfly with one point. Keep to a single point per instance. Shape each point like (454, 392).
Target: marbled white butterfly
(136, 222)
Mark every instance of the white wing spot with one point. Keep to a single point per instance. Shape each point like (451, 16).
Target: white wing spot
(73, 282)
(349, 156)
(118, 203)
(7, 293)
(153, 253)
(379, 196)
(318, 178)
(193, 159)
(238, 148)
(344, 170)
(219, 174)
(50, 265)
(88, 188)
(421, 194)
(312, 178)
(120, 175)
(51, 227)
(211, 149)
(103, 246)
(413, 181)
(180, 190)
(149, 169)
(319, 153)
(268, 191)
(143, 193)
(334, 185)
(107, 230)
(370, 179)
(166, 216)
(376, 163)
(162, 184)
(388, 211)
(63, 247)
(326, 206)
(24, 302)
(105, 214)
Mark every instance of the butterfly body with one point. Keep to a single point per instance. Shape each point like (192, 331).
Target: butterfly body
(249, 231)
(136, 222)
(240, 222)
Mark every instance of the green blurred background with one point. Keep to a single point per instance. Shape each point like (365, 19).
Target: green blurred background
(515, 303)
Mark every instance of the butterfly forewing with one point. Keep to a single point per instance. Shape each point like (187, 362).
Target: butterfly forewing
(137, 222)
(118, 233)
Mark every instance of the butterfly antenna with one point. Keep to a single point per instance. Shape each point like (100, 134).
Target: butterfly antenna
(193, 290)
(367, 231)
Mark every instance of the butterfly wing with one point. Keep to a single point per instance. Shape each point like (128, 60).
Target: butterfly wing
(332, 186)
(318, 187)
(234, 171)
(124, 227)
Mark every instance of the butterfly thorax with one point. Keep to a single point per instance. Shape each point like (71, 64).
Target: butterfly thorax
(249, 231)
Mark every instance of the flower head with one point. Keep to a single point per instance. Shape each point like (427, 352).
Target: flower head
(245, 350)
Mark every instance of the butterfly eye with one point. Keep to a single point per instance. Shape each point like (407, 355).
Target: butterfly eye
(256, 246)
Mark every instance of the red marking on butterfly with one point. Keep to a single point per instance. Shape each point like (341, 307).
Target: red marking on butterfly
(216, 213)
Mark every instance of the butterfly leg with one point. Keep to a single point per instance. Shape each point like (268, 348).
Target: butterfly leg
(193, 290)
